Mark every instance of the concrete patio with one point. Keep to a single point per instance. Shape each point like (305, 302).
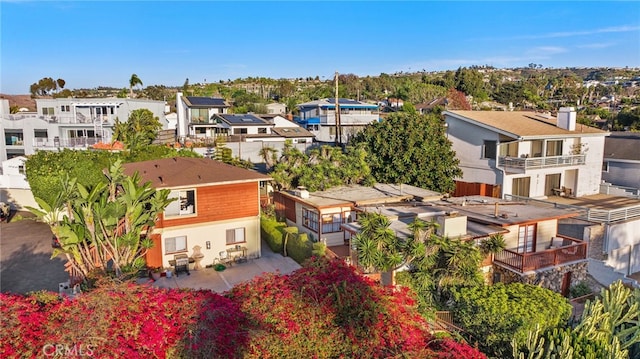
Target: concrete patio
(209, 278)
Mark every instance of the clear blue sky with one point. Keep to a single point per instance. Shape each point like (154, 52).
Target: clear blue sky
(90, 44)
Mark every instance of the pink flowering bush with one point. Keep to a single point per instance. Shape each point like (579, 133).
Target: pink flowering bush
(322, 310)
(327, 310)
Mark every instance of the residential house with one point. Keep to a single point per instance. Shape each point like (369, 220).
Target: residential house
(319, 117)
(217, 208)
(535, 252)
(428, 107)
(276, 108)
(195, 115)
(14, 188)
(621, 163)
(67, 123)
(525, 154)
(321, 214)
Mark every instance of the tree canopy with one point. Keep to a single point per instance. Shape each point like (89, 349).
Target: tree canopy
(140, 129)
(321, 169)
(410, 148)
(102, 231)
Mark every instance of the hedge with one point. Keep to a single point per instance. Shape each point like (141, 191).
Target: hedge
(299, 247)
(272, 232)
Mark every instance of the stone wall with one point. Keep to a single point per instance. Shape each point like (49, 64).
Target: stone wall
(550, 278)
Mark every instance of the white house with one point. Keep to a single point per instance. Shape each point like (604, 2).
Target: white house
(319, 117)
(527, 154)
(276, 108)
(67, 123)
(195, 115)
(621, 164)
(14, 188)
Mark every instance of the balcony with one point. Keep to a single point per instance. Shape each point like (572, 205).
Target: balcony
(522, 164)
(570, 250)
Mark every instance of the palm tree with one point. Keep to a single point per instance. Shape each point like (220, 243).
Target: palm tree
(134, 81)
(378, 247)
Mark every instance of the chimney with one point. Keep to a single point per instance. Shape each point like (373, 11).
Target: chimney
(567, 118)
(302, 192)
(182, 120)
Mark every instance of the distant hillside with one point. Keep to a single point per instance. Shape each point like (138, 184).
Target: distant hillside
(21, 101)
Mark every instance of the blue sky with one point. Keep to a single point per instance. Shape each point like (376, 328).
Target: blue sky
(90, 43)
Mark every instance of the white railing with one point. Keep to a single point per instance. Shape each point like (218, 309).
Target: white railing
(585, 213)
(615, 190)
(540, 162)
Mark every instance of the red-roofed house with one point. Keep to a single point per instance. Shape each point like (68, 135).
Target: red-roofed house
(218, 208)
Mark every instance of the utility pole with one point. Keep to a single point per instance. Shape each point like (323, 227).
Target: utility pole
(338, 127)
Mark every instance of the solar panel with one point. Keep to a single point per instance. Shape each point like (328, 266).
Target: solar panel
(206, 101)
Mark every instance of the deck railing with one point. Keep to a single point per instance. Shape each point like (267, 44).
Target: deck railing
(524, 262)
(540, 162)
(586, 213)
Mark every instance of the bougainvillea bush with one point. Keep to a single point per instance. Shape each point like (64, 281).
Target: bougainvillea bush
(324, 310)
(327, 310)
(122, 321)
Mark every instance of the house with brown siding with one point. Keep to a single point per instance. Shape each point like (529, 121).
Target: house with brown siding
(217, 208)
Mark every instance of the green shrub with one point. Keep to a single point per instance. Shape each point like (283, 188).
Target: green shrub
(272, 232)
(299, 247)
(579, 290)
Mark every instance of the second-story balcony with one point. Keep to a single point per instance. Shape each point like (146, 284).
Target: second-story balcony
(567, 251)
(522, 164)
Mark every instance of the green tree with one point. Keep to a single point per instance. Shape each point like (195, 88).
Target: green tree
(322, 168)
(494, 315)
(412, 149)
(139, 130)
(133, 82)
(104, 232)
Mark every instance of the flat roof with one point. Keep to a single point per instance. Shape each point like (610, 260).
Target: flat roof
(597, 201)
(362, 195)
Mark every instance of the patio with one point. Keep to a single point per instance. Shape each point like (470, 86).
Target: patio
(210, 279)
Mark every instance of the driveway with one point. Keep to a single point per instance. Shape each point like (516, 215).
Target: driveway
(26, 264)
(25, 257)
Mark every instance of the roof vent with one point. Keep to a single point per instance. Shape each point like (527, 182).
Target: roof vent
(301, 192)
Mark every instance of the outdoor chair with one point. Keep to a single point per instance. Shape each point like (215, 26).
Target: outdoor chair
(224, 258)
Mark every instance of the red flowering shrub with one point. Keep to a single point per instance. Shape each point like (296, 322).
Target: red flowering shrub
(322, 310)
(327, 310)
(123, 321)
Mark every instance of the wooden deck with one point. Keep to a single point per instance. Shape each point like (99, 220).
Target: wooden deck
(524, 262)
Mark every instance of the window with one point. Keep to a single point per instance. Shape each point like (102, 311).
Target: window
(40, 133)
(185, 205)
(509, 149)
(331, 222)
(175, 244)
(520, 186)
(64, 108)
(309, 219)
(48, 111)
(605, 166)
(13, 138)
(489, 149)
(239, 131)
(235, 235)
(199, 115)
(21, 170)
(313, 127)
(526, 238)
(262, 130)
(536, 148)
(554, 148)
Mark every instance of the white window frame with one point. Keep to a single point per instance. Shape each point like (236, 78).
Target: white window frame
(176, 244)
(236, 236)
(181, 206)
